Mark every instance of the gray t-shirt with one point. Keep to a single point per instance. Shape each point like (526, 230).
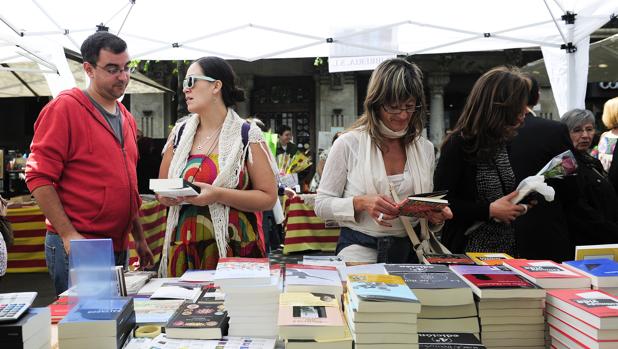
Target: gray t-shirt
(114, 120)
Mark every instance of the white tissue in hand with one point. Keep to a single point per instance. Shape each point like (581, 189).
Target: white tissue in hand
(534, 184)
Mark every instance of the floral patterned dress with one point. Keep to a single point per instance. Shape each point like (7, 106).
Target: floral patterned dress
(193, 243)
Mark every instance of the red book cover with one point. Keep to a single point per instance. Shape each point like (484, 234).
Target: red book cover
(498, 280)
(61, 307)
(597, 303)
(541, 268)
(448, 259)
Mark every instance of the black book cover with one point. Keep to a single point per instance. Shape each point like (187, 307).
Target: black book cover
(423, 276)
(448, 341)
(199, 316)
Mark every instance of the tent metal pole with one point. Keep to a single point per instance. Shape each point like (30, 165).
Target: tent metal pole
(291, 49)
(555, 22)
(27, 70)
(216, 53)
(116, 14)
(56, 24)
(281, 31)
(11, 26)
(536, 43)
(125, 18)
(34, 57)
(210, 35)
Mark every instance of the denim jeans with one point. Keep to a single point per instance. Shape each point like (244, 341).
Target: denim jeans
(58, 261)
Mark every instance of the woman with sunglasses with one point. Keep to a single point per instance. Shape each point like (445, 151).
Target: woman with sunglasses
(227, 158)
(474, 165)
(383, 150)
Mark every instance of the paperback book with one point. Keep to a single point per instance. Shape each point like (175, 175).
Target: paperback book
(497, 282)
(174, 187)
(419, 204)
(488, 258)
(198, 321)
(602, 272)
(381, 293)
(548, 274)
(447, 259)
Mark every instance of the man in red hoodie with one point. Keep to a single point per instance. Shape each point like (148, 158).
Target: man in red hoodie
(82, 166)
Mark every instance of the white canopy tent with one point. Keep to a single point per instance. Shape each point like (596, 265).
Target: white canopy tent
(252, 30)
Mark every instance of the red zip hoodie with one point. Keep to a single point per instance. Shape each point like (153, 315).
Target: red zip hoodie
(75, 150)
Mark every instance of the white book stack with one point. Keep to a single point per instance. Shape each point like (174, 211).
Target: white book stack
(447, 303)
(510, 308)
(381, 312)
(313, 278)
(252, 292)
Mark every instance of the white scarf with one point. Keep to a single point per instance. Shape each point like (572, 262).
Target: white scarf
(231, 160)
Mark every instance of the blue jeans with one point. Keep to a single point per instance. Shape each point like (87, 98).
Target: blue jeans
(390, 249)
(58, 261)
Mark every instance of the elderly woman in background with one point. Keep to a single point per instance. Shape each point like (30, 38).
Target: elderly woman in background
(474, 165)
(382, 150)
(592, 211)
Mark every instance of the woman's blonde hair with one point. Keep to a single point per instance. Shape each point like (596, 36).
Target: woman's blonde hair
(393, 82)
(610, 113)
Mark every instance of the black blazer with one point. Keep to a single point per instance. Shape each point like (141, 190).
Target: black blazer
(542, 233)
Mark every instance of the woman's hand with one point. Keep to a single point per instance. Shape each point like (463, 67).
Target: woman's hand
(380, 207)
(504, 211)
(168, 201)
(437, 217)
(208, 195)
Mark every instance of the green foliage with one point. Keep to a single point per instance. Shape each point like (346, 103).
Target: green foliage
(318, 61)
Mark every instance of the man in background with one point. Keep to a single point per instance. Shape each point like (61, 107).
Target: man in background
(542, 233)
(82, 166)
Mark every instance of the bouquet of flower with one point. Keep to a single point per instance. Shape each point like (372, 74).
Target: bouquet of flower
(298, 163)
(560, 166)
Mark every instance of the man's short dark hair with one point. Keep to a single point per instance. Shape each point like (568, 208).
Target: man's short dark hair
(283, 128)
(101, 40)
(533, 97)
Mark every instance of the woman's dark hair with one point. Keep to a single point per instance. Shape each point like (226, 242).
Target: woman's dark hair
(282, 129)
(533, 97)
(92, 46)
(218, 68)
(393, 82)
(497, 100)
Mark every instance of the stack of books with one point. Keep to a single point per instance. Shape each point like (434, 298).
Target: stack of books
(447, 303)
(198, 321)
(31, 331)
(582, 319)
(252, 292)
(382, 312)
(510, 307)
(312, 320)
(97, 324)
(603, 273)
(313, 278)
(329, 261)
(550, 276)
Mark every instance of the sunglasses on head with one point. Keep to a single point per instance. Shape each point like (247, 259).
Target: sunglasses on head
(190, 81)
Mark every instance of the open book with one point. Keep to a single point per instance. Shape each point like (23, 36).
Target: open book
(415, 205)
(174, 187)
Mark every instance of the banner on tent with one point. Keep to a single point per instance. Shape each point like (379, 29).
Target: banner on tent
(342, 64)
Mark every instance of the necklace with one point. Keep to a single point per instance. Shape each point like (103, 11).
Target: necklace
(208, 138)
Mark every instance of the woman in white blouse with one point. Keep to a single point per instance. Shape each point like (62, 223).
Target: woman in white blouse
(383, 149)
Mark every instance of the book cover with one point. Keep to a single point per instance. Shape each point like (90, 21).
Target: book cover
(541, 268)
(448, 259)
(609, 251)
(61, 307)
(488, 258)
(426, 276)
(596, 303)
(296, 274)
(601, 267)
(448, 341)
(417, 206)
(304, 315)
(198, 321)
(157, 312)
(374, 287)
(492, 277)
(105, 317)
(211, 294)
(243, 268)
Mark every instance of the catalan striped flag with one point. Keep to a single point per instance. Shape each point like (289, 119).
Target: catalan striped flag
(304, 230)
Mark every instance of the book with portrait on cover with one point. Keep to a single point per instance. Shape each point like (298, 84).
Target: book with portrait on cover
(418, 204)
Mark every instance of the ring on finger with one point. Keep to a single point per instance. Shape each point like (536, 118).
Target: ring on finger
(381, 217)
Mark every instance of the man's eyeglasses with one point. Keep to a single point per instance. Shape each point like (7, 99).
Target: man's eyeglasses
(190, 81)
(396, 110)
(115, 70)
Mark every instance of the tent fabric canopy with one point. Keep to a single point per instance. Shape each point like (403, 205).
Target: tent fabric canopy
(252, 30)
